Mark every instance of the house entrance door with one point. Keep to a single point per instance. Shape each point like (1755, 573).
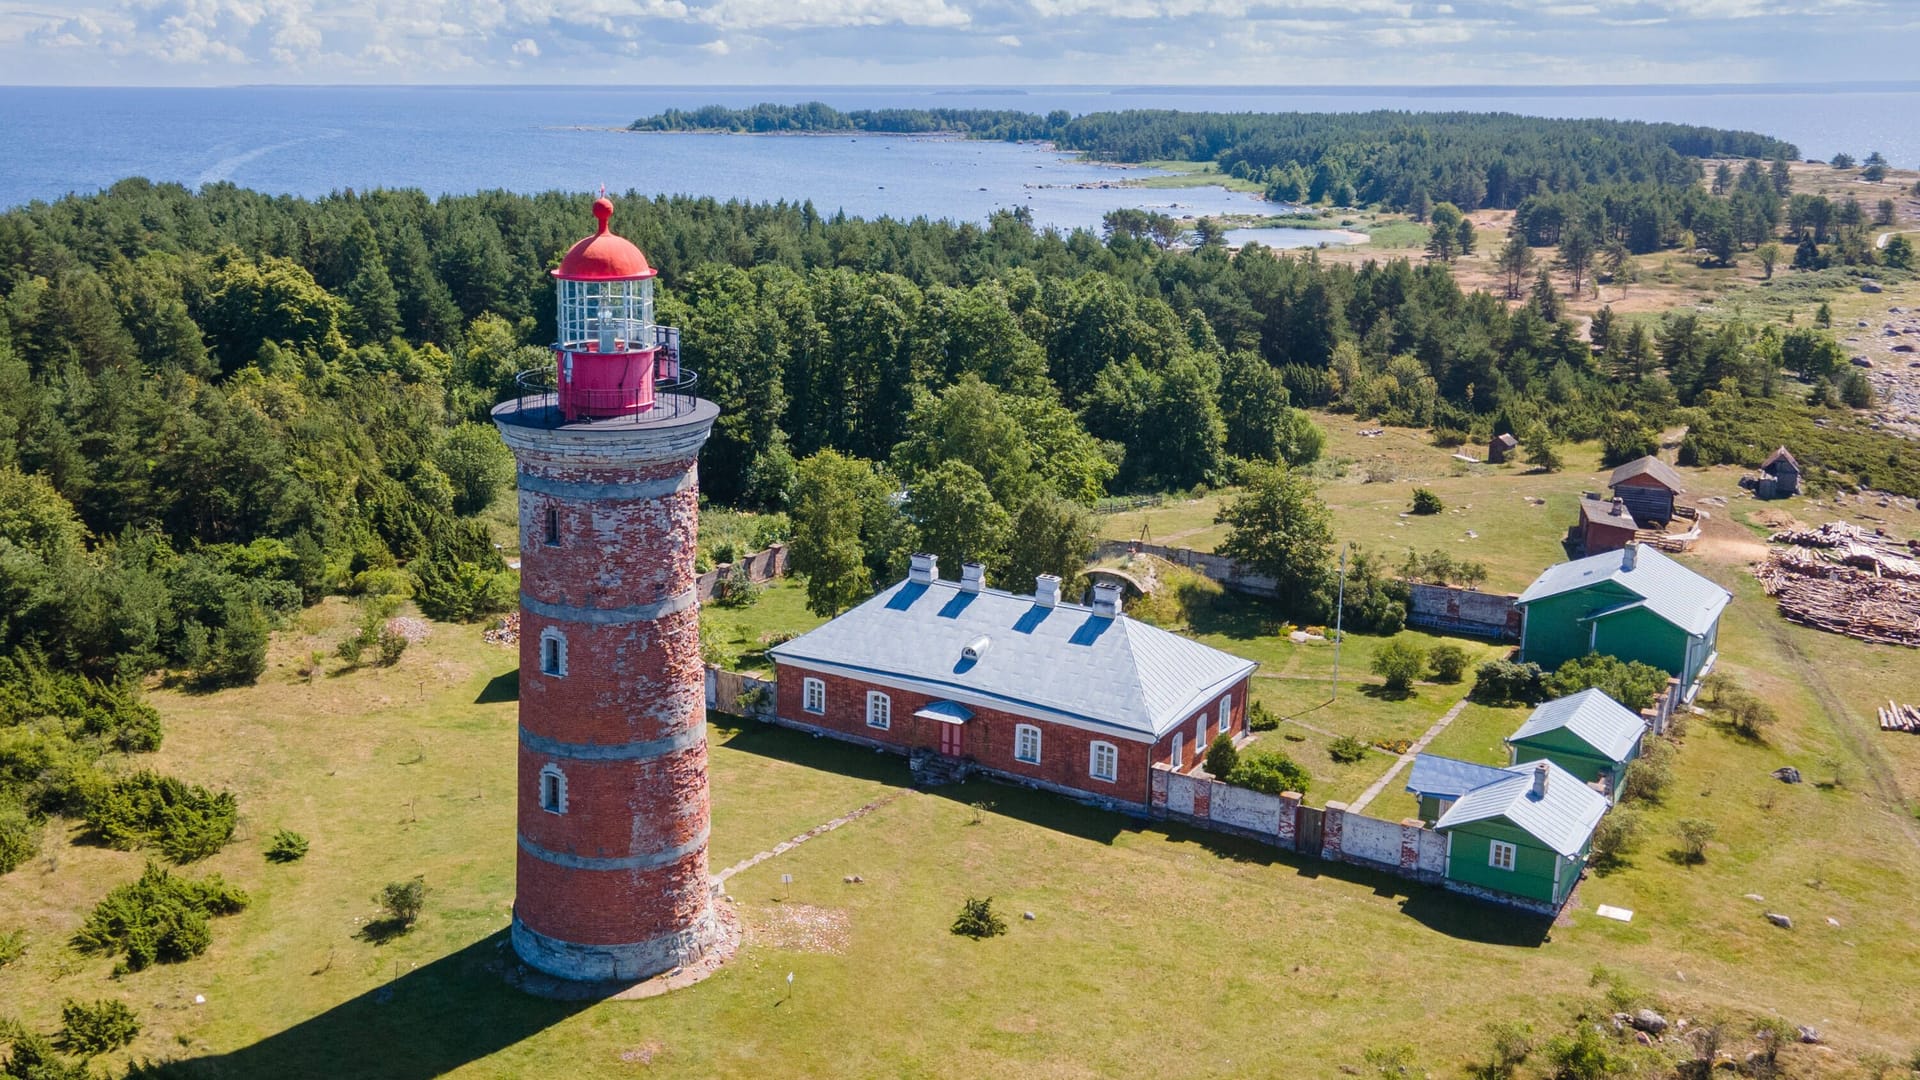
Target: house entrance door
(950, 743)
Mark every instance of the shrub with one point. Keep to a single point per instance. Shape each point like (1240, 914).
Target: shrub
(1448, 663)
(33, 1058)
(13, 946)
(402, 901)
(89, 1029)
(1694, 834)
(1346, 750)
(1650, 774)
(1261, 718)
(1749, 716)
(1583, 1055)
(393, 645)
(1500, 682)
(978, 920)
(1629, 682)
(1399, 663)
(1512, 1042)
(1426, 502)
(1270, 772)
(736, 588)
(186, 821)
(286, 846)
(1222, 755)
(1615, 837)
(19, 837)
(157, 919)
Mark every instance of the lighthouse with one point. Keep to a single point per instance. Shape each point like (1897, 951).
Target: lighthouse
(611, 879)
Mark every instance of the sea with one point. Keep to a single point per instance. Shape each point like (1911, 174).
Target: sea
(314, 140)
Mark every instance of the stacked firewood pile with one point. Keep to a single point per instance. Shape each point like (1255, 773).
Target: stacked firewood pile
(1845, 580)
(506, 631)
(1897, 717)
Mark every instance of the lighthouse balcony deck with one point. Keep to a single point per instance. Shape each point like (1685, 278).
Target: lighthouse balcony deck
(673, 402)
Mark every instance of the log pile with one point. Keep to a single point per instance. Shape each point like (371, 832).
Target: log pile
(504, 632)
(1845, 580)
(1897, 717)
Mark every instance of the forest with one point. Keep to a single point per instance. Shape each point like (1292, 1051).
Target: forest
(218, 407)
(1387, 157)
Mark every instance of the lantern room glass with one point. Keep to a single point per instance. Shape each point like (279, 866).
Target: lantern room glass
(606, 316)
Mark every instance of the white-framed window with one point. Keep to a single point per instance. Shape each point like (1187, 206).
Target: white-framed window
(1200, 734)
(1026, 743)
(813, 695)
(1179, 755)
(553, 526)
(879, 710)
(1103, 761)
(1500, 857)
(553, 789)
(553, 652)
(1226, 713)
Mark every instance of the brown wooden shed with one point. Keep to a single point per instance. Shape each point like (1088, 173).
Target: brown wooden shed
(1501, 448)
(1785, 472)
(1605, 525)
(1647, 485)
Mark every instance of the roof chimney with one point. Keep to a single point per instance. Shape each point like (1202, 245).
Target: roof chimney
(1619, 507)
(1630, 555)
(1046, 590)
(972, 576)
(1106, 599)
(1540, 780)
(923, 569)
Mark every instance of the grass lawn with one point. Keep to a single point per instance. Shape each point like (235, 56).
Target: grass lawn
(409, 770)
(738, 638)
(1191, 174)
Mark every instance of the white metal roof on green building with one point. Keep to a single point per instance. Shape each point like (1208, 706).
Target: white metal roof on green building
(1562, 819)
(1065, 659)
(1601, 722)
(1669, 590)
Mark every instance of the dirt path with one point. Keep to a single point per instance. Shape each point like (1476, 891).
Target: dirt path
(1406, 759)
(821, 829)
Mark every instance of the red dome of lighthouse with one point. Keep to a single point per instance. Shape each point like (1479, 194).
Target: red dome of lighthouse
(604, 256)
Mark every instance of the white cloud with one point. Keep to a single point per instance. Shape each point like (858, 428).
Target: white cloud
(526, 47)
(786, 14)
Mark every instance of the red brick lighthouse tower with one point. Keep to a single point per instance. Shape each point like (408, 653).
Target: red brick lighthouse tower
(612, 878)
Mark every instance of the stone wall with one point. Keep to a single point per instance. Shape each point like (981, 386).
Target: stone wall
(1464, 611)
(1218, 567)
(762, 567)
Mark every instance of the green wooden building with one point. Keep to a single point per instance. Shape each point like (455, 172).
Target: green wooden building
(1634, 603)
(1523, 837)
(1588, 734)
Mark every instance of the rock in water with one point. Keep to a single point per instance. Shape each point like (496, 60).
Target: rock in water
(1779, 920)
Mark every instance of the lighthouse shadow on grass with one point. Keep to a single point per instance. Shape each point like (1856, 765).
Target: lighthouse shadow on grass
(428, 1022)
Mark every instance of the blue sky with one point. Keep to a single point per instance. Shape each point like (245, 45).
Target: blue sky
(844, 42)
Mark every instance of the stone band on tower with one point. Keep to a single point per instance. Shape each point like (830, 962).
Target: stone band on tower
(612, 879)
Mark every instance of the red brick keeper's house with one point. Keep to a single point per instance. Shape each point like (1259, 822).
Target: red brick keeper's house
(1071, 698)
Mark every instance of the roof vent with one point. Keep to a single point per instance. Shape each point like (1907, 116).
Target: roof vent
(923, 569)
(1619, 507)
(1046, 590)
(1106, 599)
(1540, 781)
(975, 649)
(1630, 555)
(972, 576)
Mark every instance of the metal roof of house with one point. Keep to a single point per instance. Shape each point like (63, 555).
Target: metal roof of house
(1648, 466)
(1670, 590)
(1780, 455)
(1117, 673)
(1449, 778)
(1599, 721)
(1602, 511)
(1562, 819)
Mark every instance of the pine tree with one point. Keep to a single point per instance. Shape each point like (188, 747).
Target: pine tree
(1515, 261)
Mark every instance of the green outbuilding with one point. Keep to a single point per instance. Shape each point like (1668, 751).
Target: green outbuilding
(1588, 734)
(1634, 603)
(1524, 837)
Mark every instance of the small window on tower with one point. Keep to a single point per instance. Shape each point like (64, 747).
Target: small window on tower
(553, 652)
(553, 790)
(553, 526)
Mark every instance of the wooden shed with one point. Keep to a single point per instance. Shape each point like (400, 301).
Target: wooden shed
(1648, 487)
(1605, 526)
(1784, 472)
(1501, 448)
